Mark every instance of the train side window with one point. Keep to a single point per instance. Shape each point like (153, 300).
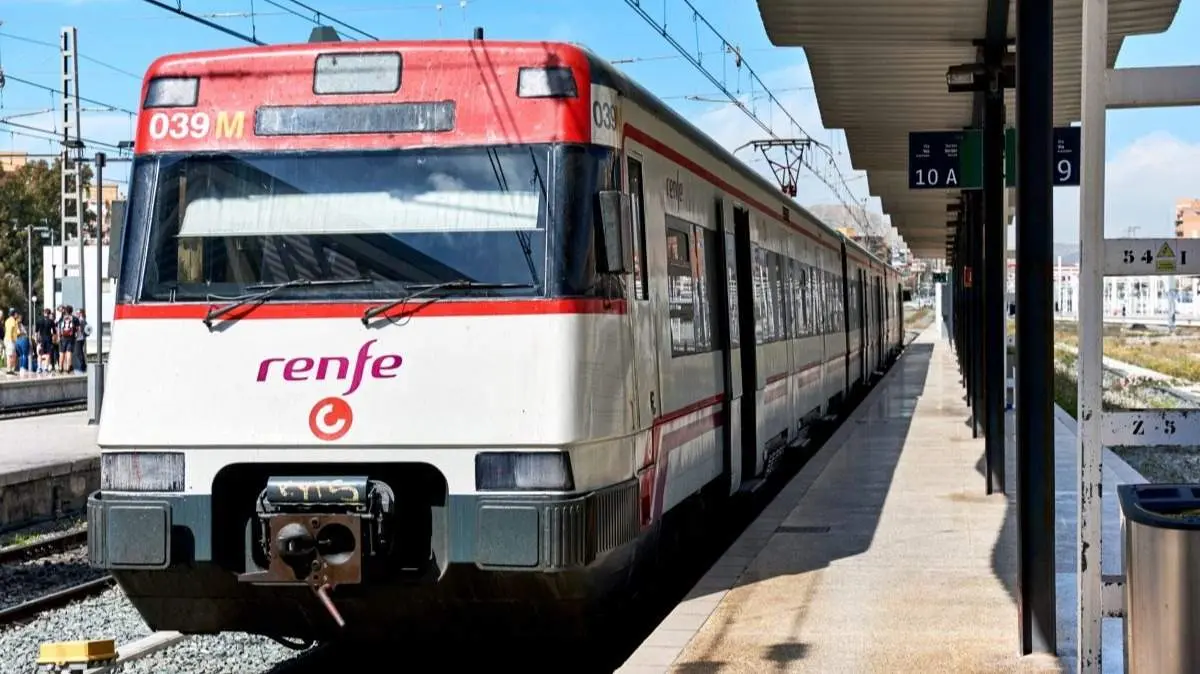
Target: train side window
(709, 275)
(681, 306)
(638, 209)
(803, 301)
(839, 316)
(793, 301)
(735, 339)
(692, 275)
(701, 290)
(785, 309)
(758, 276)
(775, 330)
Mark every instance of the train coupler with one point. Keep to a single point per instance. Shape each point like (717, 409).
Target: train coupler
(318, 531)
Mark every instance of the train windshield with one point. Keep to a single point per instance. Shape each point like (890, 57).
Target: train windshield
(219, 223)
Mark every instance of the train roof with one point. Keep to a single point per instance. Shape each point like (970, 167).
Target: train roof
(631, 89)
(602, 72)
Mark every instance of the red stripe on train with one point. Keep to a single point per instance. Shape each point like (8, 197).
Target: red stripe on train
(420, 308)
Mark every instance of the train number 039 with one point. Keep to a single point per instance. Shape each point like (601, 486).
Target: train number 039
(180, 125)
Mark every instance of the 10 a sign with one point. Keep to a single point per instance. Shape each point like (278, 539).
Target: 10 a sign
(953, 160)
(945, 160)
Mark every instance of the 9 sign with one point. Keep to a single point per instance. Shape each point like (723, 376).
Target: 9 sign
(1064, 169)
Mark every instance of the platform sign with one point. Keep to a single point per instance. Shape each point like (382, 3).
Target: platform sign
(1151, 257)
(1067, 140)
(1176, 428)
(945, 160)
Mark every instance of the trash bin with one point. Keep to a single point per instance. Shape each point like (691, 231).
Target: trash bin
(1160, 532)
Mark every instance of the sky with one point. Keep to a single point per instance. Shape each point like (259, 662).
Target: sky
(1153, 155)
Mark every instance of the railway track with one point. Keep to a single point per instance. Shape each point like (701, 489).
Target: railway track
(61, 595)
(42, 409)
(57, 599)
(47, 545)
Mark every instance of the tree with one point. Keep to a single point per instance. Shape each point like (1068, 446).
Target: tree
(30, 195)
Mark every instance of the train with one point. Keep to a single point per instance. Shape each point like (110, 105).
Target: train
(412, 330)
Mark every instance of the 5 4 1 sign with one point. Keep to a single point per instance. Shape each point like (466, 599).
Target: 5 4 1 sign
(1151, 257)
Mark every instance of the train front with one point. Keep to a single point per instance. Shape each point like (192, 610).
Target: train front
(370, 344)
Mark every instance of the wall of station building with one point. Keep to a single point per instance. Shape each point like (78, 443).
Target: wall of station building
(56, 291)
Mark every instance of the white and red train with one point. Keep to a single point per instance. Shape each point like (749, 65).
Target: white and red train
(416, 326)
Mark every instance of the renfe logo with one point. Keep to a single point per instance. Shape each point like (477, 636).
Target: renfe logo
(332, 417)
(333, 367)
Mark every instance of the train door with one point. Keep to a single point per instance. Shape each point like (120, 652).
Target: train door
(863, 323)
(847, 307)
(645, 336)
(878, 297)
(748, 351)
(727, 341)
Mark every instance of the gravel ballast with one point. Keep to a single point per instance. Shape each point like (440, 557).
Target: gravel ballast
(106, 616)
(111, 616)
(34, 578)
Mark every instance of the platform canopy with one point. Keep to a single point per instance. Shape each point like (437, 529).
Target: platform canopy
(879, 71)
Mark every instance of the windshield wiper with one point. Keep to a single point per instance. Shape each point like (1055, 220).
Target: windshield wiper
(423, 288)
(271, 289)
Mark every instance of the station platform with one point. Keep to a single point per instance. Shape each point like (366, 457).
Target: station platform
(33, 391)
(884, 553)
(48, 466)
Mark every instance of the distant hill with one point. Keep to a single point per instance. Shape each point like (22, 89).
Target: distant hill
(837, 215)
(1068, 251)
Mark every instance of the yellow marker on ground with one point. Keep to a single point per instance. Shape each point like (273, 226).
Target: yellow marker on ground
(56, 656)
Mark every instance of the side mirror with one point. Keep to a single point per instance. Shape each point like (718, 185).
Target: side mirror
(616, 237)
(116, 237)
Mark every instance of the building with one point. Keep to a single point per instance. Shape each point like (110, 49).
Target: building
(1187, 218)
(109, 193)
(11, 161)
(68, 290)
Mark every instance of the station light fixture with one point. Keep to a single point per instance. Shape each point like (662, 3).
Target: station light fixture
(978, 77)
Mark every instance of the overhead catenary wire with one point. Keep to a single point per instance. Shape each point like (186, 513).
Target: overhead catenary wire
(56, 136)
(315, 19)
(838, 185)
(56, 47)
(201, 20)
(317, 15)
(9, 77)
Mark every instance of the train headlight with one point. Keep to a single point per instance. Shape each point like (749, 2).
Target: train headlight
(141, 471)
(551, 82)
(523, 471)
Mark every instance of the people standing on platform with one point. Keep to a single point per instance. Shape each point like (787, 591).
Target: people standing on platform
(82, 331)
(22, 345)
(44, 331)
(67, 332)
(10, 339)
(56, 352)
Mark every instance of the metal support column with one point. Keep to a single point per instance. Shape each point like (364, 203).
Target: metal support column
(72, 154)
(994, 273)
(95, 372)
(960, 304)
(1035, 299)
(967, 361)
(1091, 307)
(974, 209)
